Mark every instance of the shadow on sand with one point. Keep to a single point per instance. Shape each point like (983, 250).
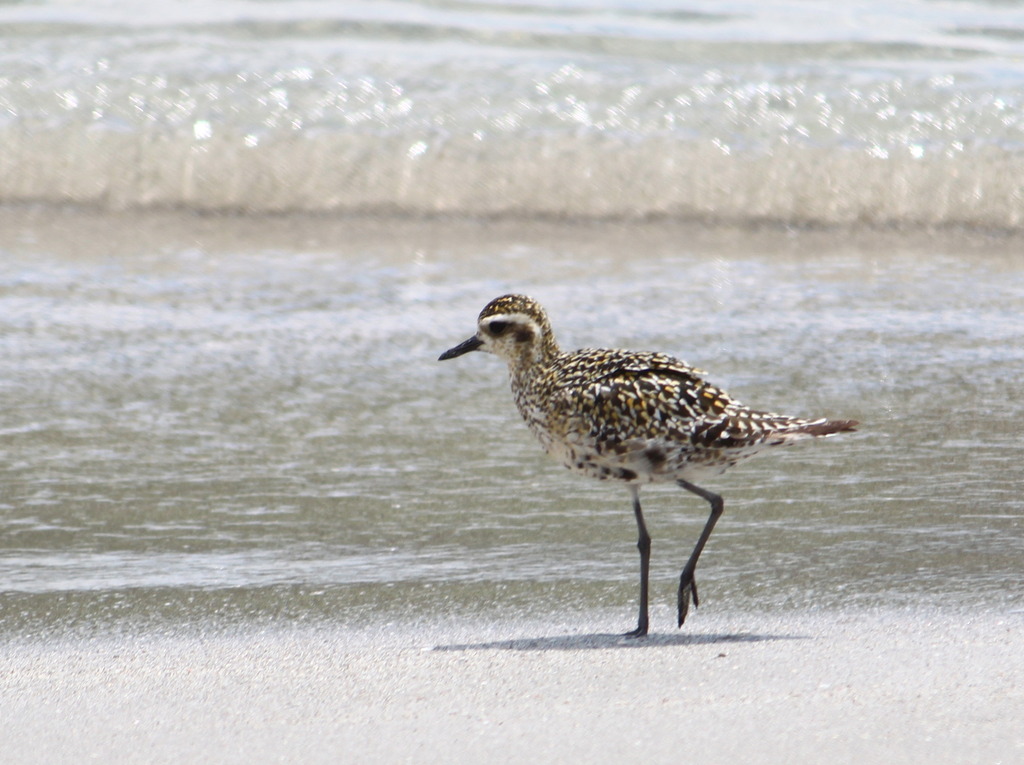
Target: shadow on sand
(610, 641)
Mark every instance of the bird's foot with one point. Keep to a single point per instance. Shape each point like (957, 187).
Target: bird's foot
(639, 632)
(687, 588)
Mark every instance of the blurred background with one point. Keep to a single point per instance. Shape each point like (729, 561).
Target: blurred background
(799, 111)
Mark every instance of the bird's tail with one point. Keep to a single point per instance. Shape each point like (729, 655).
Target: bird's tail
(825, 427)
(781, 430)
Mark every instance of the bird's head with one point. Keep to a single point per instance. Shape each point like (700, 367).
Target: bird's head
(514, 327)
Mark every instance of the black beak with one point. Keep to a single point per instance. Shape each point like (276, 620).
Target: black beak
(470, 345)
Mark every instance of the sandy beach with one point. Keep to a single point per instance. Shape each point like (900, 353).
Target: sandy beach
(895, 687)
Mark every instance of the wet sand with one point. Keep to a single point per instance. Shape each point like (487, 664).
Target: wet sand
(894, 687)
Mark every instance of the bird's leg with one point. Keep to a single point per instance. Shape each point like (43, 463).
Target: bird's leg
(644, 546)
(687, 584)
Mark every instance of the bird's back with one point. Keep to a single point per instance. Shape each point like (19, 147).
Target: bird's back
(637, 416)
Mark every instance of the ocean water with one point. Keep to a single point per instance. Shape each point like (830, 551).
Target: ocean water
(232, 421)
(235, 236)
(876, 112)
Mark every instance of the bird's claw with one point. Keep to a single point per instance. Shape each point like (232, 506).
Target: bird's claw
(687, 587)
(641, 628)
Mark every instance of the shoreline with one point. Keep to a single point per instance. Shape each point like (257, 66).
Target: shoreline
(82, 231)
(852, 686)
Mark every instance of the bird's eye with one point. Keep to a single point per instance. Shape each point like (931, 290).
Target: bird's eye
(497, 327)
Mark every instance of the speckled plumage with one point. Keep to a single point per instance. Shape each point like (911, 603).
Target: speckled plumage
(631, 417)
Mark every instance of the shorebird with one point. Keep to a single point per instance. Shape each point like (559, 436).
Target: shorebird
(632, 418)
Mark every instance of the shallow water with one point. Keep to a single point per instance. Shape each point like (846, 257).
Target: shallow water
(232, 420)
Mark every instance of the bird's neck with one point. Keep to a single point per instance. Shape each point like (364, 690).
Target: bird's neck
(533, 360)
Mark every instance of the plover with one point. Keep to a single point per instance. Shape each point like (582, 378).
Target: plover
(630, 417)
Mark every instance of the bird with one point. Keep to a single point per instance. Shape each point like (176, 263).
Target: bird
(631, 418)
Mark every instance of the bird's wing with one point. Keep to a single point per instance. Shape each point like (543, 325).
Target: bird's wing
(639, 398)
